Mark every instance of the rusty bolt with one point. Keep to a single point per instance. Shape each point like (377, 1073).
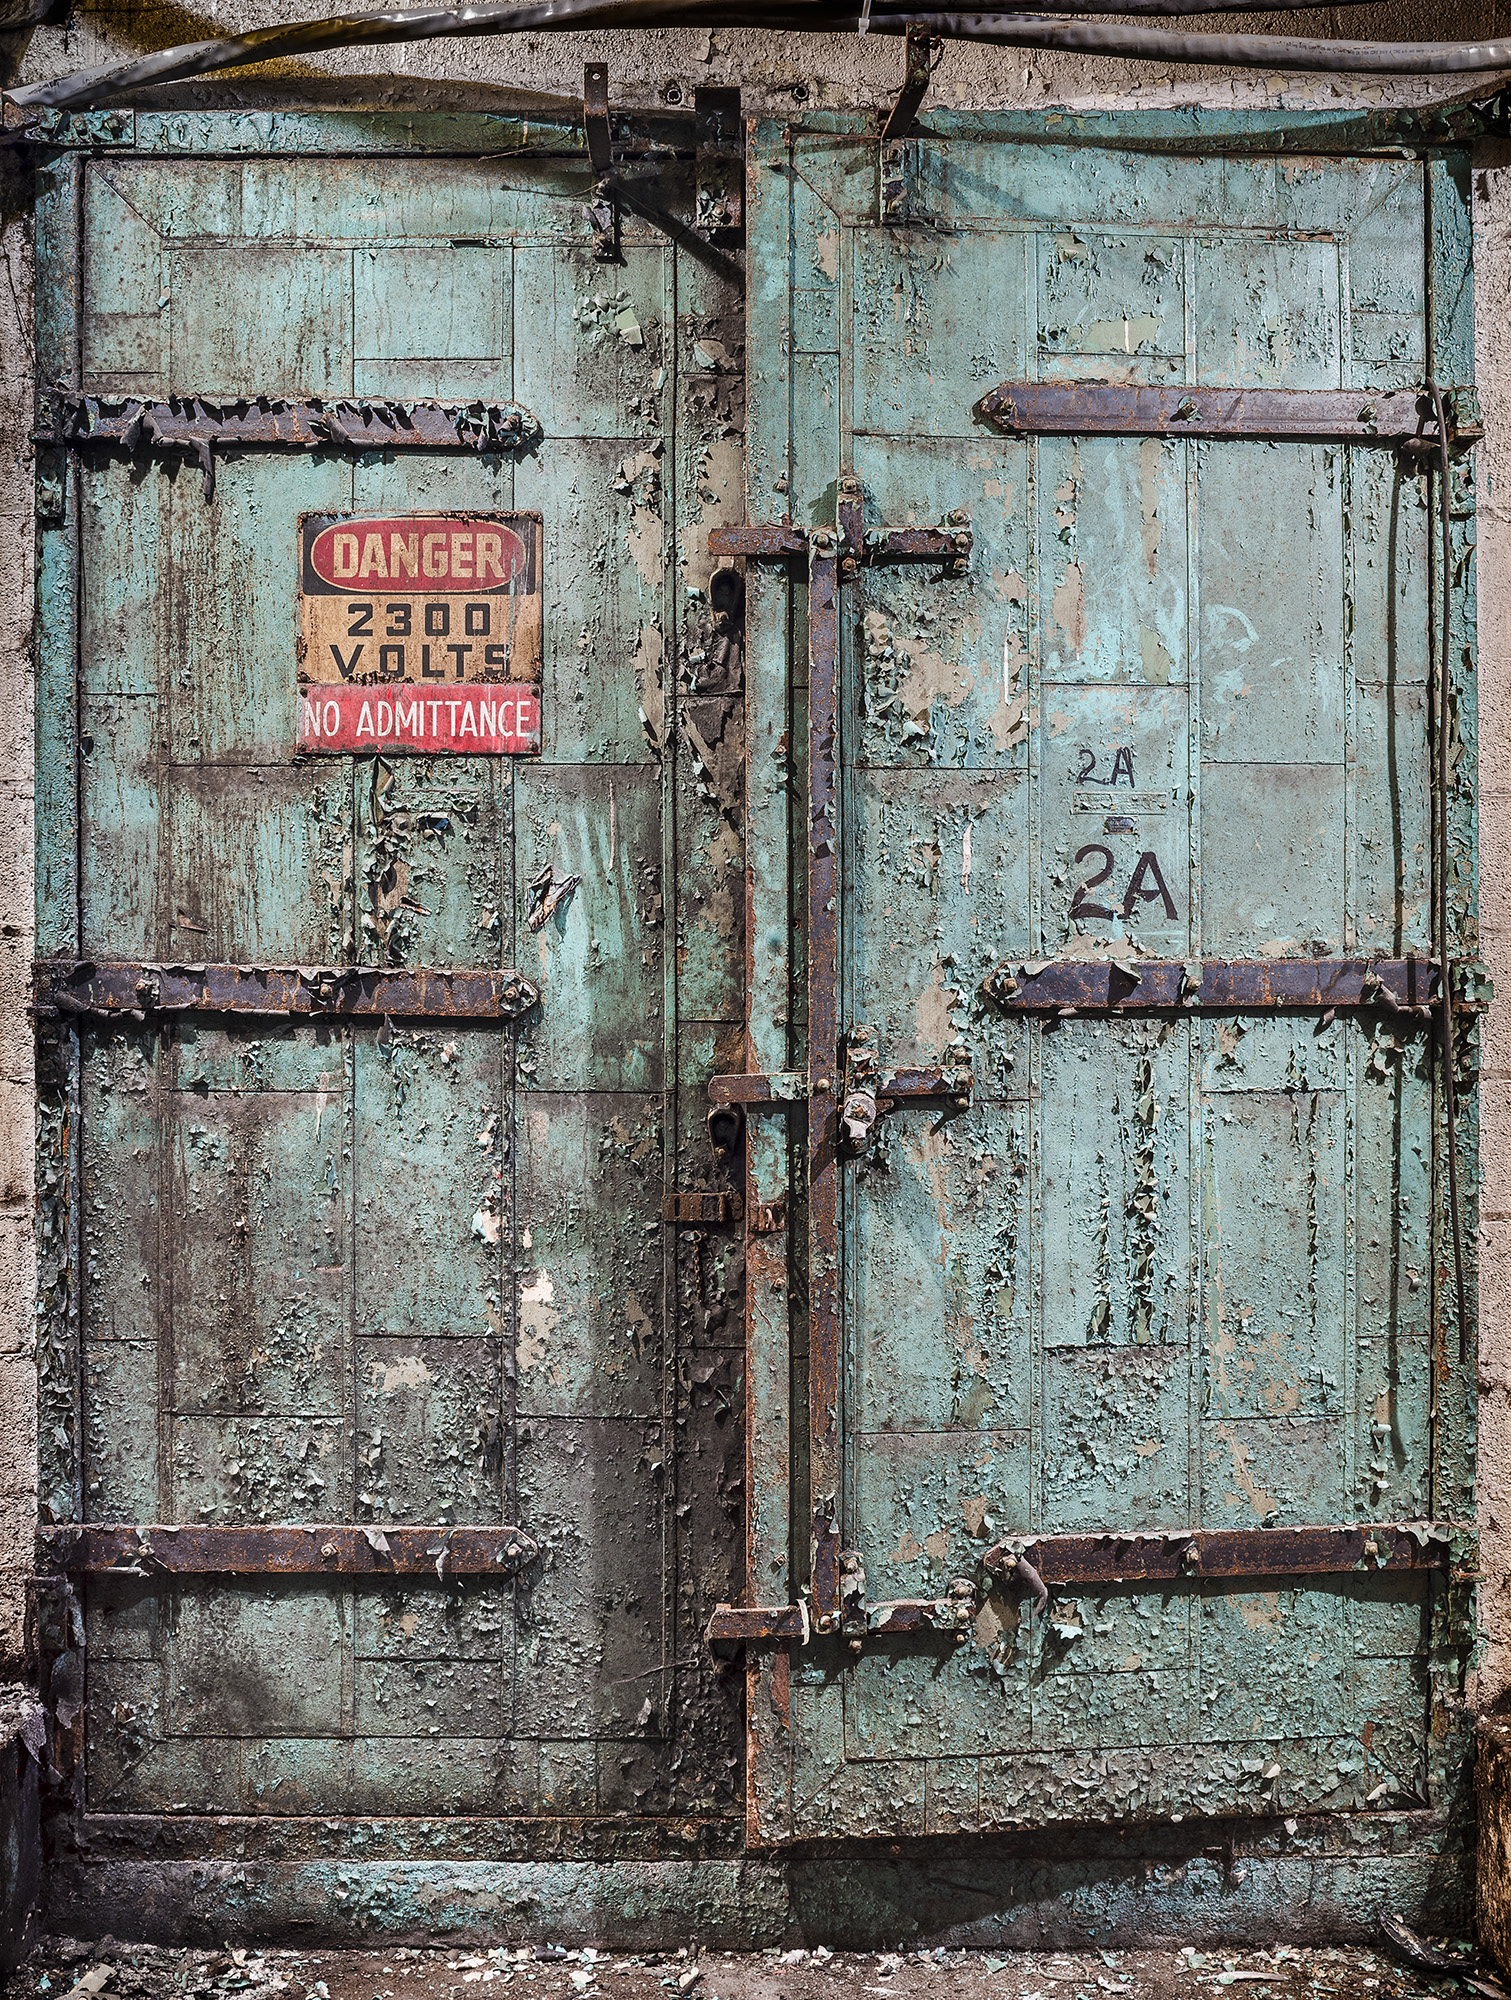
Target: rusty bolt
(855, 1645)
(820, 1085)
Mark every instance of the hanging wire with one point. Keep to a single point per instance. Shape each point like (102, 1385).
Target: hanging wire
(1010, 30)
(1444, 935)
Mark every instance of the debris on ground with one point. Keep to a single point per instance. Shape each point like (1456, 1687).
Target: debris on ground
(63, 1969)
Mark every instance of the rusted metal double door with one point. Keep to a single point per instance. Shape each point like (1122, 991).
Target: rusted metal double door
(1093, 1219)
(1095, 1223)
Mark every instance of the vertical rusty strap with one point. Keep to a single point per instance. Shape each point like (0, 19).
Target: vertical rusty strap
(823, 1058)
(917, 70)
(595, 117)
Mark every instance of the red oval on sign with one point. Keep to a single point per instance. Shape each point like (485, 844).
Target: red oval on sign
(431, 555)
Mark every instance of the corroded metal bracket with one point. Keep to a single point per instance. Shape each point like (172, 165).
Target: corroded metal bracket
(1392, 417)
(719, 200)
(1129, 985)
(917, 70)
(133, 990)
(1072, 1563)
(771, 541)
(322, 1549)
(701, 1208)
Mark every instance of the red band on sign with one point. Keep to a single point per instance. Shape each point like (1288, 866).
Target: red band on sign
(482, 719)
(462, 555)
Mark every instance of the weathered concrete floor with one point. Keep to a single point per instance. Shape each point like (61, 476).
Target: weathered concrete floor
(56, 1969)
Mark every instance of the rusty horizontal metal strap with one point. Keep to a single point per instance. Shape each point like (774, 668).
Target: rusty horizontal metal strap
(769, 541)
(1342, 416)
(1071, 1562)
(791, 1086)
(764, 540)
(788, 1086)
(900, 545)
(739, 1624)
(1131, 985)
(320, 1549)
(1066, 1561)
(901, 1085)
(701, 1207)
(133, 990)
(301, 424)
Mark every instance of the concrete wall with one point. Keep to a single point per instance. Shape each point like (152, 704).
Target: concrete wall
(775, 72)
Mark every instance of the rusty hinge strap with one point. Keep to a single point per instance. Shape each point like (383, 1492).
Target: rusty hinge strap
(1390, 417)
(701, 1208)
(1066, 1561)
(185, 423)
(134, 990)
(320, 1549)
(1403, 986)
(917, 70)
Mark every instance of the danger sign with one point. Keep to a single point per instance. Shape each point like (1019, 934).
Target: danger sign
(420, 632)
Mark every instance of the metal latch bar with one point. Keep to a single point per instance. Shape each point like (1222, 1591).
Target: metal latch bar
(770, 541)
(791, 1086)
(1072, 1562)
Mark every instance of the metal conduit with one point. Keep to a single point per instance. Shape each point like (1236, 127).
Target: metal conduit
(1015, 30)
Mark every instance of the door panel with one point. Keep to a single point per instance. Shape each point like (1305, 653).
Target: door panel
(1153, 1271)
(383, 1271)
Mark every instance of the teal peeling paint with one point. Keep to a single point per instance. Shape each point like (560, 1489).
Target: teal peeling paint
(1156, 1274)
(1160, 1273)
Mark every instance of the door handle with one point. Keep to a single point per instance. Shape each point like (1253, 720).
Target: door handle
(843, 1085)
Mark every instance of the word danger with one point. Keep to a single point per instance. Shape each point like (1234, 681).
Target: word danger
(444, 553)
(481, 720)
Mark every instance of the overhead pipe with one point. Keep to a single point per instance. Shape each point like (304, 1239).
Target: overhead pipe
(1015, 30)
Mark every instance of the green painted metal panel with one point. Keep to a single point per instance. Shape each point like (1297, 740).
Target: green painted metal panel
(1162, 1272)
(398, 1271)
